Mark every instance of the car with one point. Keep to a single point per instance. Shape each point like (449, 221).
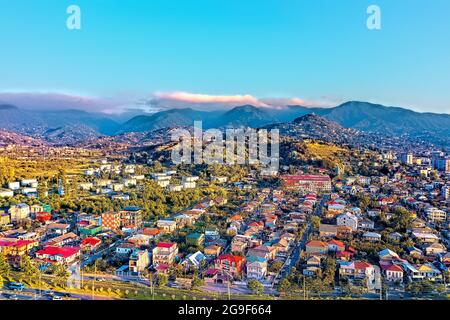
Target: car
(49, 293)
(57, 298)
(16, 286)
(14, 297)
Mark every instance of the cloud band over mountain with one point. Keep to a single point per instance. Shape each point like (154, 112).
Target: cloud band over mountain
(157, 101)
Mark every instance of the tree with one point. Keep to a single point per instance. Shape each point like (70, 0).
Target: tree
(284, 285)
(163, 279)
(402, 219)
(5, 268)
(315, 220)
(276, 266)
(28, 266)
(197, 282)
(61, 273)
(255, 286)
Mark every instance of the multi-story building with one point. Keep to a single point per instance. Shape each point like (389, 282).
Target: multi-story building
(230, 264)
(164, 253)
(443, 164)
(139, 261)
(19, 212)
(307, 183)
(111, 220)
(406, 158)
(131, 217)
(4, 218)
(256, 267)
(357, 270)
(436, 215)
(58, 255)
(347, 219)
(16, 248)
(446, 192)
(316, 247)
(166, 226)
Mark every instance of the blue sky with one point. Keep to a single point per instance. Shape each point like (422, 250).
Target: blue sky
(318, 51)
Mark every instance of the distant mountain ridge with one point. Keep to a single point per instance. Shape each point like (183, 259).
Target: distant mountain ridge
(363, 116)
(77, 123)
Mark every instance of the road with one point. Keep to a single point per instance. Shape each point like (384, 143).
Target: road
(301, 245)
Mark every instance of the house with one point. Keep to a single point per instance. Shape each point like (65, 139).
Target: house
(388, 255)
(164, 253)
(220, 201)
(313, 261)
(58, 228)
(415, 252)
(166, 226)
(139, 261)
(313, 266)
(13, 247)
(372, 236)
(183, 220)
(267, 252)
(90, 243)
(335, 246)
(256, 267)
(43, 216)
(345, 255)
(139, 240)
(425, 237)
(194, 260)
(62, 240)
(348, 219)
(239, 244)
(231, 264)
(124, 249)
(5, 219)
(19, 212)
(357, 270)
(58, 255)
(328, 230)
(392, 273)
(395, 236)
(445, 259)
(90, 230)
(153, 233)
(429, 272)
(434, 249)
(195, 239)
(366, 224)
(315, 246)
(281, 246)
(212, 250)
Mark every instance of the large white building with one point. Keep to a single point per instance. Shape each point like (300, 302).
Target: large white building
(19, 212)
(347, 219)
(446, 192)
(436, 215)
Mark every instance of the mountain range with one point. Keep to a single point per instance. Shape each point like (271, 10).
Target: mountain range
(363, 116)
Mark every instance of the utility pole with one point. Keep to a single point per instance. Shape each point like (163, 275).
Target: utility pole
(304, 288)
(93, 279)
(228, 286)
(152, 290)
